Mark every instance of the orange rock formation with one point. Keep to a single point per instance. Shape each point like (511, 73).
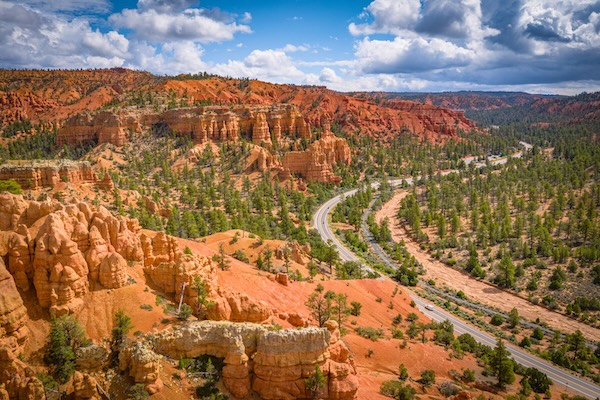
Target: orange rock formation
(39, 174)
(315, 163)
(274, 364)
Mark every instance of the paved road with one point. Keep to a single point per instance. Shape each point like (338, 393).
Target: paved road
(557, 374)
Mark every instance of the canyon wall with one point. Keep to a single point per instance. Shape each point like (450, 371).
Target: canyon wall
(35, 175)
(261, 124)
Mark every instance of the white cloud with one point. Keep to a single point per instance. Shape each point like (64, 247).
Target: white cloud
(389, 16)
(32, 39)
(270, 65)
(68, 6)
(290, 48)
(329, 76)
(246, 18)
(191, 24)
(409, 55)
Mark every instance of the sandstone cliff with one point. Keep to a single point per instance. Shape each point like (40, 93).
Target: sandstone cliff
(273, 364)
(39, 174)
(210, 123)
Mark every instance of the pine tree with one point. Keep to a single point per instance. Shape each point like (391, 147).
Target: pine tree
(501, 364)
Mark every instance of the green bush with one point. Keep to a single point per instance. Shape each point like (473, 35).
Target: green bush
(427, 377)
(497, 320)
(10, 186)
(369, 332)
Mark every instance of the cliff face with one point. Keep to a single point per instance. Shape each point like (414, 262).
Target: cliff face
(264, 126)
(212, 123)
(39, 174)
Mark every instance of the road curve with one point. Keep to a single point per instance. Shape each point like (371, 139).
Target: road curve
(559, 375)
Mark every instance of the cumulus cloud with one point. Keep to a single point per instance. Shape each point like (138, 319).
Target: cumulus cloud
(270, 65)
(481, 41)
(32, 39)
(290, 48)
(389, 16)
(197, 25)
(410, 55)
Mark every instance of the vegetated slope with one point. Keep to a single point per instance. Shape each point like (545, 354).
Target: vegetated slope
(53, 95)
(497, 108)
(467, 100)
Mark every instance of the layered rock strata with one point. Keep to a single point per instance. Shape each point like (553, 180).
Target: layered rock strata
(316, 163)
(210, 123)
(39, 174)
(273, 364)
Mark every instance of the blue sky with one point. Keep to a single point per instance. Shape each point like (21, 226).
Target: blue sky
(542, 46)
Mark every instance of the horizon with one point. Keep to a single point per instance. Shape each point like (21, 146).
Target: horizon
(393, 46)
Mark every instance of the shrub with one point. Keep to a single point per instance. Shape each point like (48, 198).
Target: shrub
(427, 377)
(10, 186)
(448, 389)
(137, 392)
(497, 320)
(355, 310)
(185, 312)
(468, 375)
(369, 332)
(397, 334)
(397, 390)
(146, 307)
(538, 333)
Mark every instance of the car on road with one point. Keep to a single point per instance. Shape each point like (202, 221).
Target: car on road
(429, 307)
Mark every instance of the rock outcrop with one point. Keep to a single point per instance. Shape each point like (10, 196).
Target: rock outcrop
(13, 314)
(74, 247)
(172, 272)
(103, 127)
(39, 174)
(210, 123)
(315, 163)
(274, 364)
(142, 364)
(17, 381)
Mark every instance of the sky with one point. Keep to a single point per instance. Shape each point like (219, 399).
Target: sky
(537, 46)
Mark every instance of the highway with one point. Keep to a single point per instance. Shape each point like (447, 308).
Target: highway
(557, 374)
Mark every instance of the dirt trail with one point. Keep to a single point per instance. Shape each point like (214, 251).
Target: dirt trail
(474, 289)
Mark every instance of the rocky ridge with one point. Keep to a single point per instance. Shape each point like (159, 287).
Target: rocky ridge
(263, 126)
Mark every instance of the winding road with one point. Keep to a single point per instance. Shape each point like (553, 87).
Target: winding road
(559, 375)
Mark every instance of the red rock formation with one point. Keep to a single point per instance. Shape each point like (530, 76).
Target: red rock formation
(260, 129)
(103, 127)
(13, 314)
(432, 118)
(211, 123)
(274, 364)
(75, 246)
(38, 174)
(315, 163)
